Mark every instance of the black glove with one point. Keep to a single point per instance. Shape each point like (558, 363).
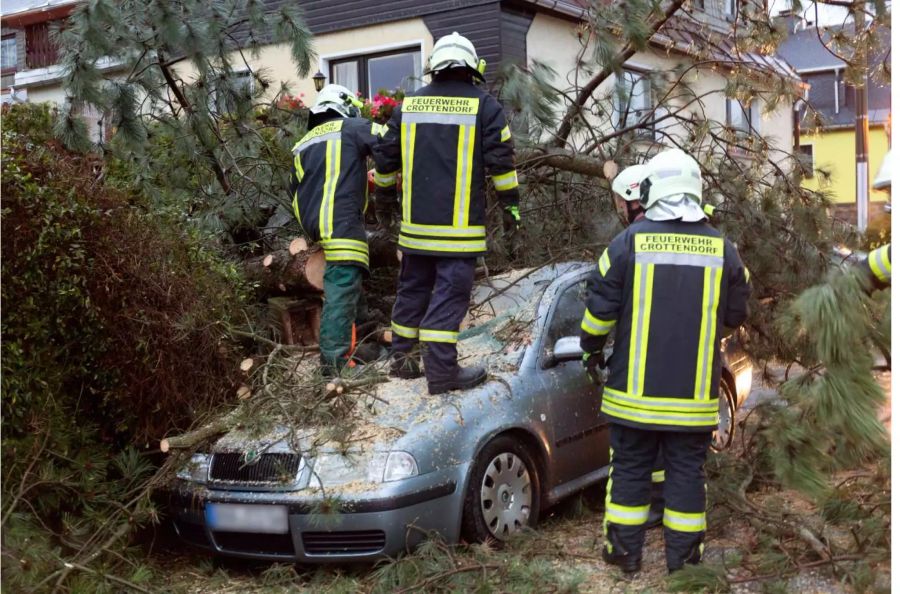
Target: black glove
(593, 363)
(384, 214)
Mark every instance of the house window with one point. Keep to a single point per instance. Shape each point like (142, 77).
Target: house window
(738, 117)
(40, 50)
(635, 99)
(805, 157)
(8, 56)
(731, 9)
(375, 72)
(241, 86)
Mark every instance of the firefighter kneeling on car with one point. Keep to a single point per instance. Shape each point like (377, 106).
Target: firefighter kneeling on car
(668, 286)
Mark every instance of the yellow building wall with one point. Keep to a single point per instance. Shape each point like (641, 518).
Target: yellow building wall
(835, 151)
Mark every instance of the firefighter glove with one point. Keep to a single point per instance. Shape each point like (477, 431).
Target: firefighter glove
(511, 219)
(593, 363)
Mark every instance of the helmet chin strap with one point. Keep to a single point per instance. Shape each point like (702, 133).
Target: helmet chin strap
(633, 213)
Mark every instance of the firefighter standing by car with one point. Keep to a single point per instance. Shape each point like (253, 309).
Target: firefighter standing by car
(328, 189)
(668, 285)
(443, 138)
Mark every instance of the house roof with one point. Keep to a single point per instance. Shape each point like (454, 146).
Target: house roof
(804, 51)
(13, 7)
(18, 13)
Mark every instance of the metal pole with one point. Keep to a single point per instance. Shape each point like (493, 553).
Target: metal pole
(862, 127)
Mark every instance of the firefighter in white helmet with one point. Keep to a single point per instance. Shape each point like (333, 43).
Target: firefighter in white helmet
(667, 286)
(445, 138)
(328, 193)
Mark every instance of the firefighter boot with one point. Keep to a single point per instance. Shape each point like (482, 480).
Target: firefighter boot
(695, 556)
(463, 379)
(614, 554)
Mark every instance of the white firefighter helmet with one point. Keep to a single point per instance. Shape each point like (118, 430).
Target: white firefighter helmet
(336, 98)
(627, 185)
(671, 172)
(454, 51)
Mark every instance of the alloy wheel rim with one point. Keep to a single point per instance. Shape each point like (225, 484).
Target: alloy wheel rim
(722, 433)
(506, 495)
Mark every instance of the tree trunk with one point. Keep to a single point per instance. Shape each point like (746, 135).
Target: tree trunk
(281, 273)
(563, 160)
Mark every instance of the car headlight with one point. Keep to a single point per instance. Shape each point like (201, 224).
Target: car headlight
(399, 465)
(196, 470)
(334, 469)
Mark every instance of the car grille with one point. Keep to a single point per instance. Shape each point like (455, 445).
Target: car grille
(271, 468)
(343, 543)
(251, 543)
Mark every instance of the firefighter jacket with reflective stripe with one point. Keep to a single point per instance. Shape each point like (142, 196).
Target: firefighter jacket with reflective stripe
(878, 265)
(329, 186)
(443, 139)
(667, 290)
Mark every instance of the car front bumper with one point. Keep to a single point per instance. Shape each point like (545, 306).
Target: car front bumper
(363, 528)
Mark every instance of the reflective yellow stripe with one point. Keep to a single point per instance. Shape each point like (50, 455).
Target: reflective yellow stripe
(343, 255)
(321, 133)
(609, 481)
(476, 232)
(385, 180)
(298, 172)
(378, 129)
(684, 522)
(435, 104)
(648, 403)
(350, 244)
(880, 263)
(627, 515)
(658, 476)
(505, 134)
(603, 263)
(642, 298)
(446, 245)
(506, 181)
(407, 147)
(438, 335)
(595, 326)
(679, 243)
(746, 274)
(464, 150)
(332, 173)
(404, 331)
(712, 278)
(692, 419)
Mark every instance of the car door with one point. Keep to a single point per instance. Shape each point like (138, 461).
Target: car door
(579, 431)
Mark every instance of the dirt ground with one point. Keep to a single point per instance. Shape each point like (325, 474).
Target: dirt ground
(569, 538)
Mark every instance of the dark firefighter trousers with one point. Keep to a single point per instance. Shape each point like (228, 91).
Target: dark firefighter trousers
(432, 299)
(633, 453)
(344, 304)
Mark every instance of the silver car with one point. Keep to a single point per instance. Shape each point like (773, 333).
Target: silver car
(473, 465)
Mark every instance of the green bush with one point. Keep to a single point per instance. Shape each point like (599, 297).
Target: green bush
(113, 336)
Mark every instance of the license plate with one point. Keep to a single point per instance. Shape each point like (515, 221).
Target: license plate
(234, 517)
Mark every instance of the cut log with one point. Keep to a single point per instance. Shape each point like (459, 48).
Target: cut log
(298, 245)
(199, 435)
(285, 273)
(563, 160)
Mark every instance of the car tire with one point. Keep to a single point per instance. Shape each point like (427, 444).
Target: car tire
(723, 436)
(503, 494)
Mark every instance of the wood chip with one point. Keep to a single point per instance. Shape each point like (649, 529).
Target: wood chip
(267, 261)
(610, 169)
(244, 392)
(246, 364)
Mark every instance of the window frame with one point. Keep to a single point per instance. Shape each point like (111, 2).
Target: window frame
(810, 166)
(15, 66)
(362, 56)
(747, 112)
(548, 340)
(625, 109)
(732, 9)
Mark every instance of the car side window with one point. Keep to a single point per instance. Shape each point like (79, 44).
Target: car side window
(566, 318)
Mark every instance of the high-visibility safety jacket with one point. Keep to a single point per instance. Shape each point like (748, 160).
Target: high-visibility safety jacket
(878, 263)
(443, 139)
(667, 289)
(329, 186)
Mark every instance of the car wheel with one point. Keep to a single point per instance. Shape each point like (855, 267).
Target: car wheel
(723, 435)
(503, 495)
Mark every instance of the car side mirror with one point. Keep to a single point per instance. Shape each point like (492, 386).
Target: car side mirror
(567, 348)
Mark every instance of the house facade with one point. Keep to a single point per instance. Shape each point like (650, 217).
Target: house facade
(829, 141)
(367, 50)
